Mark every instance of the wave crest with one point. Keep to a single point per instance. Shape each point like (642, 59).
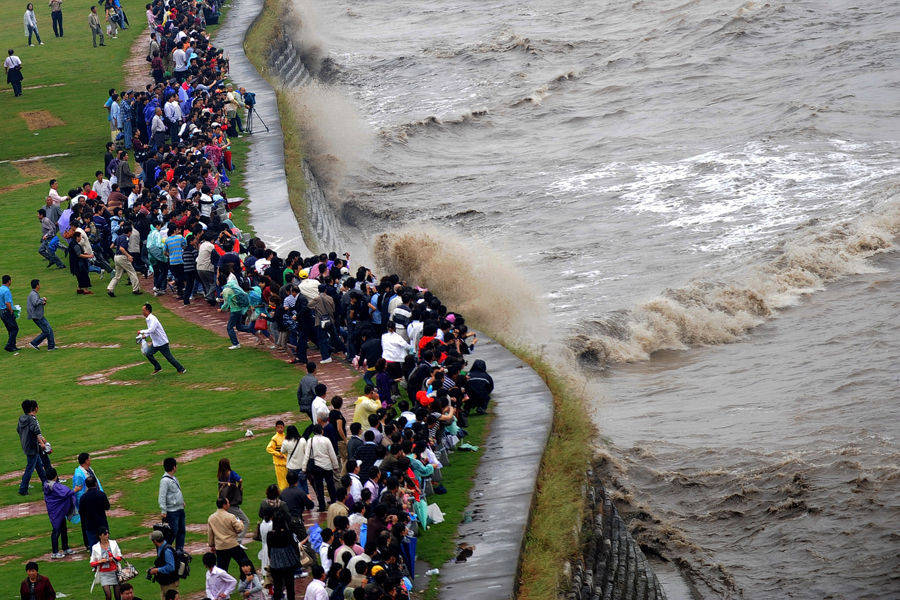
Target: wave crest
(717, 312)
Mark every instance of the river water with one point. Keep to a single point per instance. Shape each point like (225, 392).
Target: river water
(704, 197)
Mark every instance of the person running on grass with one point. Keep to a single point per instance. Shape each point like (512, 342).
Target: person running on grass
(159, 341)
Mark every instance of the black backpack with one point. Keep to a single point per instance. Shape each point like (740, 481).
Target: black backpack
(182, 563)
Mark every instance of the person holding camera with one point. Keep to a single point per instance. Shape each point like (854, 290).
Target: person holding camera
(163, 570)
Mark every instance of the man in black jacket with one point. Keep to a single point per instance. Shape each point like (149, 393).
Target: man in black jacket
(33, 442)
(479, 386)
(92, 508)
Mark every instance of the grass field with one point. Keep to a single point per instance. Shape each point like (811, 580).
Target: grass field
(167, 412)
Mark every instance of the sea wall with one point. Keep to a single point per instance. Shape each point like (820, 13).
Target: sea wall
(287, 71)
(612, 565)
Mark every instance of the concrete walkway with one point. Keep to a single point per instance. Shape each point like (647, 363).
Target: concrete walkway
(270, 210)
(505, 481)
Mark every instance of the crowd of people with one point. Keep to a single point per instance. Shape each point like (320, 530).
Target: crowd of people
(166, 218)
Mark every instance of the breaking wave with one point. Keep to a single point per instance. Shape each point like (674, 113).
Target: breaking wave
(464, 274)
(717, 312)
(405, 130)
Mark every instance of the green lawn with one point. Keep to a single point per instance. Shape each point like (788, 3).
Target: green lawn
(168, 410)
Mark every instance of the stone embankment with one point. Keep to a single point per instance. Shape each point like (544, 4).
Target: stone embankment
(612, 566)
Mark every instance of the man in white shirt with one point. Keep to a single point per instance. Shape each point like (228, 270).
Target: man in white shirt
(180, 58)
(102, 187)
(114, 116)
(393, 347)
(157, 129)
(159, 341)
(316, 588)
(172, 111)
(54, 194)
(219, 584)
(319, 411)
(13, 66)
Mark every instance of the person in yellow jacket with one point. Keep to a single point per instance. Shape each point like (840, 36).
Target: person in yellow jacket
(278, 458)
(367, 404)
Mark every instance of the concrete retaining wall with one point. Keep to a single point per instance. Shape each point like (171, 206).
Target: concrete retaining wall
(612, 566)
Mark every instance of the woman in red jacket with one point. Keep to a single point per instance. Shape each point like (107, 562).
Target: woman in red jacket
(35, 586)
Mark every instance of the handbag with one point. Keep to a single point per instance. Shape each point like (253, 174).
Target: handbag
(306, 558)
(261, 324)
(126, 572)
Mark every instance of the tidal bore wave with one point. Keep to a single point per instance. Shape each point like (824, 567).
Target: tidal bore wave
(717, 312)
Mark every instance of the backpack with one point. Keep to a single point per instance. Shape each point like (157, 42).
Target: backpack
(155, 246)
(402, 316)
(182, 563)
(241, 299)
(255, 296)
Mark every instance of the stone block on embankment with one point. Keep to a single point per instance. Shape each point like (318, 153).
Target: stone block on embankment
(612, 565)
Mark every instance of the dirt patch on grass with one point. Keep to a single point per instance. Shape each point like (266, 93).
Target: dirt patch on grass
(91, 345)
(106, 452)
(195, 453)
(34, 87)
(35, 169)
(40, 119)
(102, 377)
(19, 186)
(136, 67)
(27, 509)
(140, 474)
(216, 429)
(128, 317)
(269, 420)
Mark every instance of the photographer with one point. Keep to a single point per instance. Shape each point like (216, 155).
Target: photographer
(163, 571)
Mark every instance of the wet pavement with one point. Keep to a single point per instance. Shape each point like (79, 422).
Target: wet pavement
(500, 500)
(265, 181)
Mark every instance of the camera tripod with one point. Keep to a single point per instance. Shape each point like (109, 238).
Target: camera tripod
(251, 112)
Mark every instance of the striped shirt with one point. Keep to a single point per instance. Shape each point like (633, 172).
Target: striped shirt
(175, 248)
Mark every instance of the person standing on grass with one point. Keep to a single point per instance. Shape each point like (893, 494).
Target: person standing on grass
(105, 559)
(231, 486)
(31, 24)
(123, 262)
(164, 565)
(96, 28)
(35, 309)
(78, 264)
(36, 586)
(56, 16)
(171, 501)
(60, 501)
(219, 584)
(306, 391)
(13, 67)
(174, 252)
(159, 341)
(189, 264)
(92, 510)
(33, 442)
(223, 529)
(279, 459)
(7, 314)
